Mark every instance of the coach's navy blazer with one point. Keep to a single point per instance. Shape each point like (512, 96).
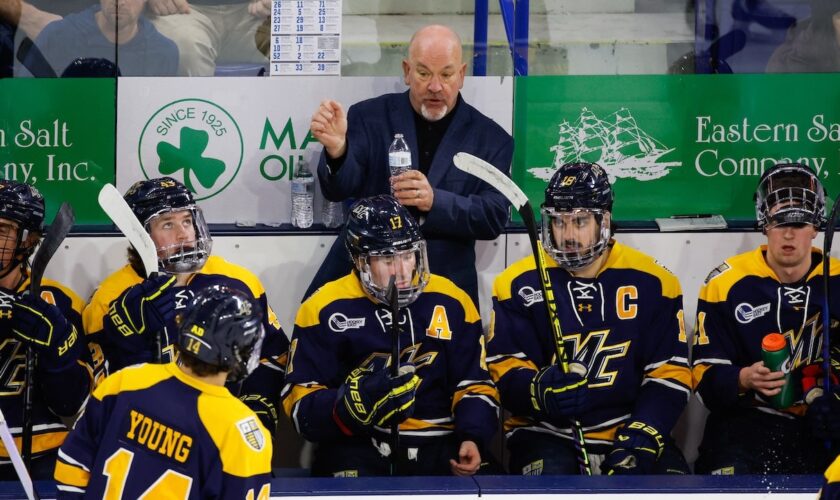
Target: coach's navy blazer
(465, 208)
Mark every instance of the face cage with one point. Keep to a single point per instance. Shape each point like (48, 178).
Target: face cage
(20, 254)
(190, 256)
(582, 257)
(419, 277)
(796, 205)
(242, 367)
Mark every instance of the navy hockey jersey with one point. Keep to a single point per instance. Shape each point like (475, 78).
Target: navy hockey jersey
(339, 328)
(152, 431)
(831, 485)
(743, 300)
(59, 390)
(625, 325)
(266, 381)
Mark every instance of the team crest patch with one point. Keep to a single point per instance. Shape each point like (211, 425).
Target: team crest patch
(530, 296)
(745, 312)
(251, 433)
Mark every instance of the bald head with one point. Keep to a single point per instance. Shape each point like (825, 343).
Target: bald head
(434, 71)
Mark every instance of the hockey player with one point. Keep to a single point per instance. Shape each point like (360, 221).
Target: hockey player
(774, 288)
(339, 392)
(173, 430)
(622, 321)
(128, 314)
(831, 484)
(51, 323)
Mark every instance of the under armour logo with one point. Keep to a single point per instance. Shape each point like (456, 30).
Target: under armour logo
(582, 307)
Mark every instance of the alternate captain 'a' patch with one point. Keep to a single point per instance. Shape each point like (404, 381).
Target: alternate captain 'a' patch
(251, 433)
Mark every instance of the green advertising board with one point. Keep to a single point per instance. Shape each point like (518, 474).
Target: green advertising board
(677, 144)
(58, 135)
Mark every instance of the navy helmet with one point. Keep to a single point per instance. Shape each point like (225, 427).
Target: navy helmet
(789, 193)
(153, 198)
(222, 327)
(380, 227)
(576, 214)
(23, 204)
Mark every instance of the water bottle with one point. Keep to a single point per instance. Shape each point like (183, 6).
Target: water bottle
(776, 355)
(303, 195)
(332, 213)
(399, 156)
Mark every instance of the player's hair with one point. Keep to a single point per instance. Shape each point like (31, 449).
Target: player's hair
(196, 365)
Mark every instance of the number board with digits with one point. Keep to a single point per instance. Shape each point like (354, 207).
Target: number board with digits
(306, 37)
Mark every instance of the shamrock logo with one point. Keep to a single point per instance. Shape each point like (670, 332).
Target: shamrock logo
(190, 158)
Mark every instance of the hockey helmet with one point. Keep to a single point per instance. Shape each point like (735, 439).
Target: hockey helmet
(576, 214)
(383, 240)
(23, 204)
(223, 327)
(789, 193)
(153, 198)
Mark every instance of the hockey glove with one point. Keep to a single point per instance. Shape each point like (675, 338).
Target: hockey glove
(264, 408)
(823, 415)
(555, 394)
(44, 327)
(372, 398)
(143, 309)
(636, 449)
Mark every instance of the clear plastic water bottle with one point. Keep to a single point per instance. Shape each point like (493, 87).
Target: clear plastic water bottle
(332, 213)
(399, 156)
(303, 195)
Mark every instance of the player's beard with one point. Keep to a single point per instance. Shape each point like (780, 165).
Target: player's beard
(433, 117)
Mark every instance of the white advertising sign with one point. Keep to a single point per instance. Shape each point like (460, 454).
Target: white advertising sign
(235, 141)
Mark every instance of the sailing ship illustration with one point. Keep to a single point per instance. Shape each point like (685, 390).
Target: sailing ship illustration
(616, 143)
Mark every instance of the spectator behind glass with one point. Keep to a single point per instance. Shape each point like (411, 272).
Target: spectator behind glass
(208, 31)
(115, 31)
(812, 45)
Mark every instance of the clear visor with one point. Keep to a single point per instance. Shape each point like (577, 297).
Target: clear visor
(575, 238)
(410, 267)
(245, 367)
(188, 242)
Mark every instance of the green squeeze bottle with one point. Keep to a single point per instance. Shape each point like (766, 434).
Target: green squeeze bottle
(776, 355)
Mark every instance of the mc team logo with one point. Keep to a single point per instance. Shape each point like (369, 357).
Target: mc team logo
(195, 141)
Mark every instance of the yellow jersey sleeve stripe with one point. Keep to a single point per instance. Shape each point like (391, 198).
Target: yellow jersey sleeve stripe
(474, 390)
(498, 369)
(415, 424)
(298, 392)
(697, 372)
(243, 443)
(71, 475)
(668, 371)
(40, 443)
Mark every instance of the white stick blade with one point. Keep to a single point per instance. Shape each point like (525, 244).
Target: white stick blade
(491, 175)
(116, 208)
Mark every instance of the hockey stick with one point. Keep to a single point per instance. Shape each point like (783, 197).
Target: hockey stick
(393, 302)
(828, 238)
(116, 208)
(17, 462)
(56, 233)
(493, 176)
